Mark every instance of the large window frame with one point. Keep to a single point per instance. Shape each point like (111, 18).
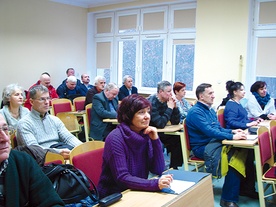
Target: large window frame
(138, 34)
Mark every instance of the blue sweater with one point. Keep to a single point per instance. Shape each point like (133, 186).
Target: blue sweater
(127, 160)
(235, 116)
(203, 126)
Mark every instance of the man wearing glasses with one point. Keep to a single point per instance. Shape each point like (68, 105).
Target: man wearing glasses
(43, 129)
(22, 183)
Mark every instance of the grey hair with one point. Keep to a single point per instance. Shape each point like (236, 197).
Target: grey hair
(37, 88)
(125, 78)
(201, 88)
(162, 85)
(9, 90)
(110, 86)
(72, 78)
(99, 78)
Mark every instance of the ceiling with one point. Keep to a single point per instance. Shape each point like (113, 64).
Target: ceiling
(91, 3)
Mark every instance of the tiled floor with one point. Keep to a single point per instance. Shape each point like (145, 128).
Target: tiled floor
(217, 188)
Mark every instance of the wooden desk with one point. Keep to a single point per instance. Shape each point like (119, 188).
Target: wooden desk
(85, 123)
(252, 144)
(178, 131)
(113, 121)
(201, 194)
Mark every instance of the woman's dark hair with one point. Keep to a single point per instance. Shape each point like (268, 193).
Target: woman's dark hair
(257, 85)
(228, 84)
(234, 87)
(129, 106)
(177, 86)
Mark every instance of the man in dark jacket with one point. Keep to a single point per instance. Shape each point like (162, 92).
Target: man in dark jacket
(22, 182)
(105, 106)
(128, 88)
(164, 109)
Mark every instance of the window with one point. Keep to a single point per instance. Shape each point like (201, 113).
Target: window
(264, 45)
(148, 44)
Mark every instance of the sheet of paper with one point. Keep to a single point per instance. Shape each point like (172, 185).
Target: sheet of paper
(251, 136)
(178, 186)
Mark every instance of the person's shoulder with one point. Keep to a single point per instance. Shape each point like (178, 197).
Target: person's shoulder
(152, 97)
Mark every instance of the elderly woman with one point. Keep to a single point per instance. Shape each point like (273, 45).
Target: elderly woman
(183, 105)
(234, 114)
(260, 104)
(132, 150)
(13, 110)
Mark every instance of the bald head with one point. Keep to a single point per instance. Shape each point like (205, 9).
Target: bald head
(45, 79)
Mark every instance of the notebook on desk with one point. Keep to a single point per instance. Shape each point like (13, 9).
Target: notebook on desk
(183, 180)
(251, 136)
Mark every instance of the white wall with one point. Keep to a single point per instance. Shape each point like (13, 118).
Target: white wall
(38, 36)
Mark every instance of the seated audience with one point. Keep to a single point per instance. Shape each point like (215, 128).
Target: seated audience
(133, 150)
(234, 114)
(206, 135)
(105, 106)
(70, 89)
(183, 105)
(260, 104)
(85, 82)
(22, 181)
(43, 129)
(98, 87)
(71, 72)
(13, 98)
(128, 88)
(164, 109)
(224, 101)
(45, 80)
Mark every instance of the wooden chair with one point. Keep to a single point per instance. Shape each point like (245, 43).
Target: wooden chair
(90, 163)
(78, 103)
(88, 108)
(70, 121)
(192, 160)
(61, 105)
(85, 147)
(273, 136)
(267, 158)
(220, 115)
(53, 158)
(13, 139)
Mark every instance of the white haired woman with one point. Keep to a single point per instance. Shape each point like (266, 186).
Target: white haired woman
(13, 110)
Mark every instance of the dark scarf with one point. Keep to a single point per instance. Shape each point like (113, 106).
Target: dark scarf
(262, 100)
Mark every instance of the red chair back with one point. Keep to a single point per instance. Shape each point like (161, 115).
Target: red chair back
(273, 138)
(79, 105)
(221, 120)
(90, 163)
(265, 147)
(62, 107)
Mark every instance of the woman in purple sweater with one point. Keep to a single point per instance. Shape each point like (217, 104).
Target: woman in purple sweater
(132, 150)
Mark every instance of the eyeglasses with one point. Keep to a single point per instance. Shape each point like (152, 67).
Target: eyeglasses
(43, 99)
(7, 129)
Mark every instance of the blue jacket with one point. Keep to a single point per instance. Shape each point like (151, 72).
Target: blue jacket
(235, 116)
(203, 126)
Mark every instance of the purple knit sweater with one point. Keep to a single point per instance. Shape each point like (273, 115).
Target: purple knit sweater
(127, 160)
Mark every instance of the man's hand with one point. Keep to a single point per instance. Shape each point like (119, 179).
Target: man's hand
(65, 153)
(235, 131)
(152, 132)
(171, 103)
(239, 136)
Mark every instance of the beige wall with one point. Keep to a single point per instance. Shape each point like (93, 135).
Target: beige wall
(222, 32)
(38, 36)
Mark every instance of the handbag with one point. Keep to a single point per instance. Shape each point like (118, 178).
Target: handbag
(70, 183)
